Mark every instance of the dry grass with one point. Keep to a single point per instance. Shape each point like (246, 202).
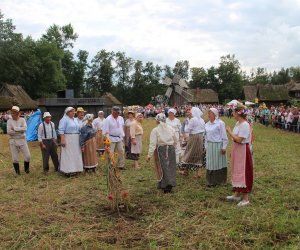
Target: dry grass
(40, 211)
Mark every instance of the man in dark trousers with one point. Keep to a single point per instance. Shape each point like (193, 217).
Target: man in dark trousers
(47, 138)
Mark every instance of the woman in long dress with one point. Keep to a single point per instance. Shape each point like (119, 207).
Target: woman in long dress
(162, 141)
(88, 144)
(241, 159)
(98, 125)
(135, 143)
(215, 144)
(176, 125)
(193, 155)
(129, 120)
(71, 157)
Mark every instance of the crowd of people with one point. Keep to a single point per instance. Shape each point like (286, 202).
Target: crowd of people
(189, 145)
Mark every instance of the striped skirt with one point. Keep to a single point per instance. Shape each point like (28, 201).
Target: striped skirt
(89, 155)
(193, 155)
(216, 164)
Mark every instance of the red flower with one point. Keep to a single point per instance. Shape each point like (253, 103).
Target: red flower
(110, 197)
(125, 194)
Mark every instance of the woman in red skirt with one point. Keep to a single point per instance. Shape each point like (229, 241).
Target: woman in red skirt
(241, 159)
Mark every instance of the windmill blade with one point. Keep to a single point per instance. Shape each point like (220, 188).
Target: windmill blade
(183, 83)
(167, 81)
(169, 92)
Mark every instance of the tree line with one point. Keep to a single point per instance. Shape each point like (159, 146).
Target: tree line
(46, 65)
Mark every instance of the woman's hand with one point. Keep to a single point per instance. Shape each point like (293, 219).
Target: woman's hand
(133, 141)
(228, 129)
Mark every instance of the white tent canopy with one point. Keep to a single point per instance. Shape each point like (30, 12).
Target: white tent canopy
(233, 102)
(247, 103)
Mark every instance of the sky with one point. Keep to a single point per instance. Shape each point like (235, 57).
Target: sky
(261, 33)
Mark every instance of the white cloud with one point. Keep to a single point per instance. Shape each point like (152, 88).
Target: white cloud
(260, 33)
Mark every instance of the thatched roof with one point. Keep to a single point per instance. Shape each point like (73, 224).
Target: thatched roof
(6, 102)
(273, 92)
(203, 96)
(296, 87)
(112, 98)
(250, 92)
(15, 95)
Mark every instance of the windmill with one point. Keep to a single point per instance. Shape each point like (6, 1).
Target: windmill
(177, 89)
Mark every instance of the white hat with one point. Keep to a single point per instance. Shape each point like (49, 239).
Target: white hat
(100, 112)
(15, 108)
(47, 114)
(172, 111)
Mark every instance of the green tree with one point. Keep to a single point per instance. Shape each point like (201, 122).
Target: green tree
(182, 68)
(100, 76)
(230, 78)
(63, 36)
(199, 78)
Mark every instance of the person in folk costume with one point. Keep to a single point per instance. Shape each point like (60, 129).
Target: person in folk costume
(113, 128)
(215, 144)
(80, 115)
(241, 158)
(162, 145)
(193, 155)
(88, 143)
(16, 129)
(176, 125)
(130, 119)
(98, 125)
(135, 142)
(70, 156)
(47, 138)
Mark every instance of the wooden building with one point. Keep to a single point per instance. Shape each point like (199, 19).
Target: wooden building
(56, 106)
(11, 95)
(178, 93)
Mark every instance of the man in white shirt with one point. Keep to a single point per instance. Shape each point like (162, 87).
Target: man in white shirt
(16, 128)
(47, 138)
(113, 128)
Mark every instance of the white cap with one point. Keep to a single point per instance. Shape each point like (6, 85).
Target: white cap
(15, 108)
(47, 114)
(100, 112)
(68, 109)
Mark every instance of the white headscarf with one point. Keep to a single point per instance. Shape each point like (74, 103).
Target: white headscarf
(215, 112)
(87, 117)
(196, 112)
(172, 111)
(160, 118)
(68, 109)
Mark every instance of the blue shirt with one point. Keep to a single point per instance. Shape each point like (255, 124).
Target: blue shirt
(68, 125)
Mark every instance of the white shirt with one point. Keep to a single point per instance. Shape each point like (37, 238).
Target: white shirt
(243, 130)
(19, 127)
(175, 124)
(196, 126)
(216, 132)
(98, 123)
(161, 135)
(49, 130)
(114, 128)
(79, 121)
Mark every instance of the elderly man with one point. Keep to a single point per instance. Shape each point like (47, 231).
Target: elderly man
(16, 128)
(80, 115)
(47, 138)
(114, 129)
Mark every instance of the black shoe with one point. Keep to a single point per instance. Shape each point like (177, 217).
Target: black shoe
(26, 167)
(17, 168)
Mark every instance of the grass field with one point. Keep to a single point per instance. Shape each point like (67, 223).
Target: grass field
(40, 211)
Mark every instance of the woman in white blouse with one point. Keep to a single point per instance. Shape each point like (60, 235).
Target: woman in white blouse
(215, 144)
(162, 141)
(193, 155)
(176, 125)
(241, 159)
